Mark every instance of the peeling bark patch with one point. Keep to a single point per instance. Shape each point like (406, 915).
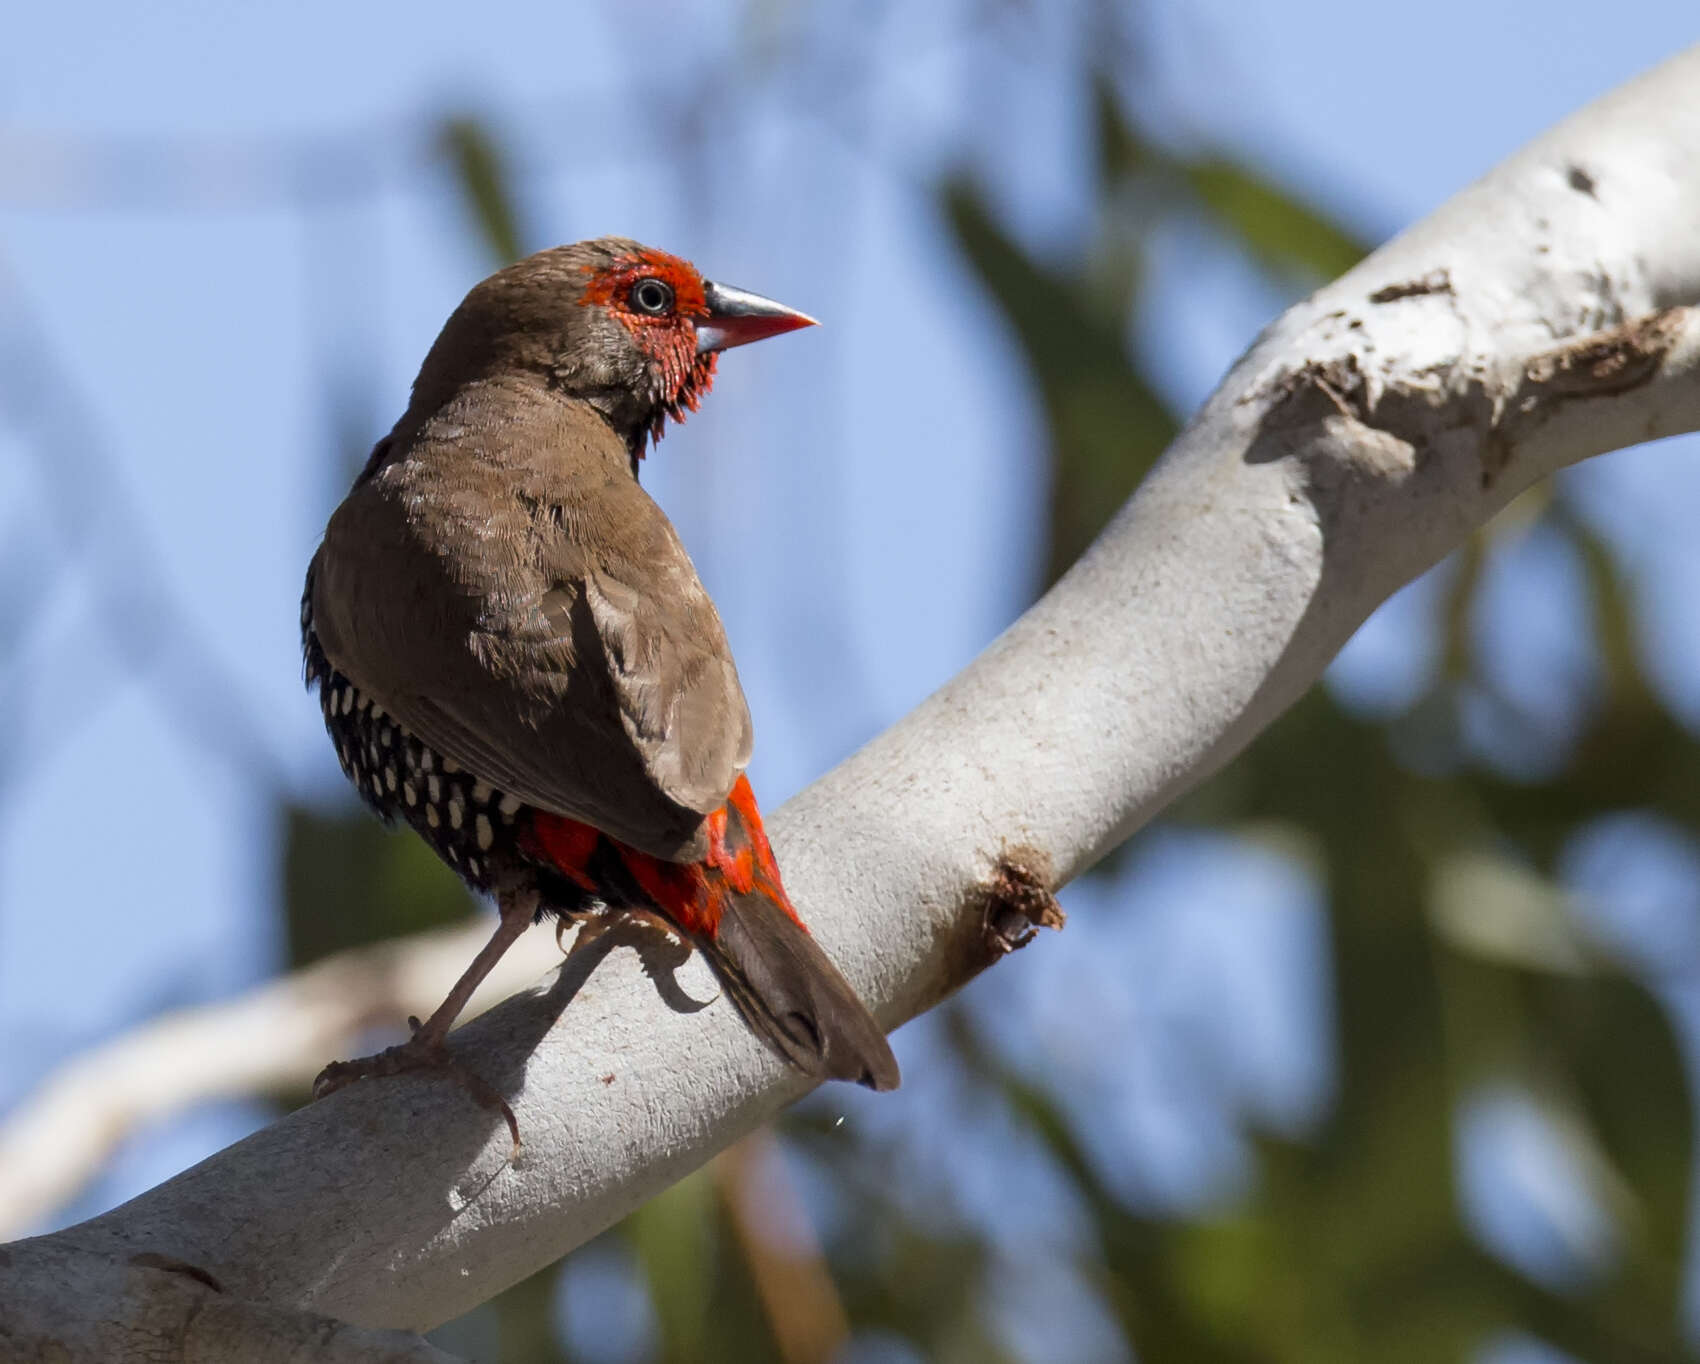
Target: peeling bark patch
(1332, 400)
(1608, 362)
(1016, 903)
(1581, 182)
(1346, 423)
(1601, 365)
(150, 1259)
(1438, 281)
(1339, 382)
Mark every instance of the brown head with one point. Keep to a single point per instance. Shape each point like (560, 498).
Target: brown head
(630, 330)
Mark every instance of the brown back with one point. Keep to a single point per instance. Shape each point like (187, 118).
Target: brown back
(501, 583)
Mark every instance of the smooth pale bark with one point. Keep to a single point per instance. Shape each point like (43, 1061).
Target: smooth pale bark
(1540, 317)
(274, 1039)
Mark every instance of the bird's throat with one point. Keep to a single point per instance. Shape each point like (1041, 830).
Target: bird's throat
(682, 378)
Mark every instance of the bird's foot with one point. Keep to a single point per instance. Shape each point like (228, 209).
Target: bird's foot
(581, 919)
(420, 1053)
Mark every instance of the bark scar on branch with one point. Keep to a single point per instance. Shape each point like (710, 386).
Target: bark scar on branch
(1612, 361)
(1000, 913)
(1436, 281)
(1016, 902)
(1600, 365)
(151, 1259)
(1391, 417)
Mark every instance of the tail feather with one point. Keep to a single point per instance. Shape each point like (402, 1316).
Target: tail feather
(733, 906)
(793, 997)
(784, 985)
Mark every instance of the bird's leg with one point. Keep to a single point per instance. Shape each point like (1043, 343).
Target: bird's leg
(426, 1049)
(518, 908)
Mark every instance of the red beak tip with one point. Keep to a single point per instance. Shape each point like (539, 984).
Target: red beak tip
(737, 317)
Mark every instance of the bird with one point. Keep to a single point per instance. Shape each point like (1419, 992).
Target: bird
(515, 657)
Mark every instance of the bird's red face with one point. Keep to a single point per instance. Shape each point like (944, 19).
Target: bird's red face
(680, 322)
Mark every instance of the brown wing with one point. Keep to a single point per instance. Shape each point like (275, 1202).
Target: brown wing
(505, 588)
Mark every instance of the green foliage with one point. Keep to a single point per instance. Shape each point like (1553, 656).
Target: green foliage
(1283, 233)
(682, 1243)
(1457, 961)
(1106, 423)
(481, 172)
(349, 881)
(1105, 420)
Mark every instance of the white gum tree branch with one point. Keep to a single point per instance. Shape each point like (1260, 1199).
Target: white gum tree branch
(272, 1039)
(1546, 314)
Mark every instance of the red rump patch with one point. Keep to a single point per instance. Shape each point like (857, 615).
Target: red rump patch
(565, 844)
(694, 895)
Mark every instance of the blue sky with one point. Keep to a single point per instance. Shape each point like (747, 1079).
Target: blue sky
(224, 240)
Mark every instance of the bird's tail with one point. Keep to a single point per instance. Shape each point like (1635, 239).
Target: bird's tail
(775, 973)
(792, 996)
(733, 907)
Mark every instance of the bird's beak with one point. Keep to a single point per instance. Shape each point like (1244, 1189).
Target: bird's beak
(737, 317)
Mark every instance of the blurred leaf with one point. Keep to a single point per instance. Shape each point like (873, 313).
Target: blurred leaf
(1467, 564)
(517, 1326)
(772, 1237)
(525, 1320)
(1276, 227)
(1619, 1047)
(1500, 909)
(1634, 753)
(700, 1285)
(1121, 150)
(896, 1271)
(1613, 612)
(1370, 1258)
(673, 1238)
(349, 881)
(1106, 423)
(482, 173)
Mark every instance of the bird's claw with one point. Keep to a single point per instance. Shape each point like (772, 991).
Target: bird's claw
(413, 1056)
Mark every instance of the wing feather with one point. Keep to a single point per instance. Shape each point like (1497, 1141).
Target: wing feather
(551, 633)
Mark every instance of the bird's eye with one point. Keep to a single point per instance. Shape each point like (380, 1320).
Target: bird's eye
(652, 296)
